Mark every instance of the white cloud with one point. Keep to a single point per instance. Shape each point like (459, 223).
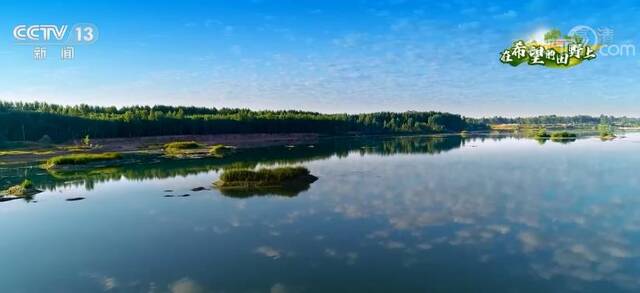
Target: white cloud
(185, 285)
(268, 251)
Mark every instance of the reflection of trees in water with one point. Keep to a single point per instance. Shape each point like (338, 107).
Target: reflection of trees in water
(248, 158)
(563, 140)
(542, 140)
(404, 145)
(12, 175)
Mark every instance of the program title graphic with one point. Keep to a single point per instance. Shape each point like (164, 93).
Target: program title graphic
(554, 51)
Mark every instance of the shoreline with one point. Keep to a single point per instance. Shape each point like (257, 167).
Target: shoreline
(154, 144)
(33, 152)
(249, 140)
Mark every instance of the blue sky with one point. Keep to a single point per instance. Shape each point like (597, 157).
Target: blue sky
(326, 56)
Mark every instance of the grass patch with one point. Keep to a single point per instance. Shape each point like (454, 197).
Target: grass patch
(607, 136)
(183, 148)
(287, 181)
(80, 159)
(606, 132)
(542, 133)
(264, 176)
(559, 136)
(563, 135)
(220, 150)
(24, 189)
(25, 152)
(182, 145)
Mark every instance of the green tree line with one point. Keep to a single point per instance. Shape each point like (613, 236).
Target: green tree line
(554, 119)
(32, 121)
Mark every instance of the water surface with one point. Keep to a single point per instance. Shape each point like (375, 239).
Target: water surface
(387, 215)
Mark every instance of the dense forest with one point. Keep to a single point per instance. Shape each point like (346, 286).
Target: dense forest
(33, 121)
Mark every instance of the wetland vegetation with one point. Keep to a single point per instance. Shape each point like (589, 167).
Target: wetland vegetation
(558, 136)
(563, 135)
(28, 136)
(193, 149)
(182, 145)
(282, 180)
(146, 166)
(220, 150)
(606, 132)
(183, 148)
(80, 159)
(24, 189)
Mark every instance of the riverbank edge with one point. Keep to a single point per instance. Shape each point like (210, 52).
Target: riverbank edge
(153, 145)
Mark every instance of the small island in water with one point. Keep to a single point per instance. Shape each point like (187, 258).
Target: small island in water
(287, 181)
(22, 190)
(194, 149)
(80, 159)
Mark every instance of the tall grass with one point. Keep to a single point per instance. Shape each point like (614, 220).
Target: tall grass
(81, 159)
(182, 145)
(264, 175)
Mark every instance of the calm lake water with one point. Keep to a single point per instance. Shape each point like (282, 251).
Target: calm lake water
(386, 215)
